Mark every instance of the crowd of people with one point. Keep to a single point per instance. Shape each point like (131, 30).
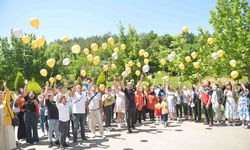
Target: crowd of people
(59, 110)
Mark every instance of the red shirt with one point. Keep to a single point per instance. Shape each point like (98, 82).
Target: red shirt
(151, 101)
(139, 100)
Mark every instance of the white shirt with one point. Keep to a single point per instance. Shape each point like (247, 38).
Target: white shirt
(186, 96)
(78, 103)
(94, 103)
(63, 111)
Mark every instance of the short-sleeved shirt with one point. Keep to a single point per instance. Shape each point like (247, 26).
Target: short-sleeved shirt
(95, 102)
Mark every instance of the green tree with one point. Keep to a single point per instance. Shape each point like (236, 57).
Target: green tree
(231, 24)
(19, 82)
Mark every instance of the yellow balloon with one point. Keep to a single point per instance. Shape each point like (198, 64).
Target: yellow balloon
(104, 45)
(65, 39)
(138, 72)
(113, 67)
(130, 63)
(58, 77)
(146, 54)
(96, 60)
(162, 61)
(185, 29)
(111, 41)
(94, 47)
(146, 61)
(40, 41)
(105, 67)
(141, 52)
(194, 55)
(149, 77)
(188, 59)
(128, 70)
(34, 22)
(126, 65)
(83, 73)
(196, 65)
(220, 53)
(51, 62)
(234, 74)
(116, 49)
(102, 87)
(181, 66)
(51, 80)
(75, 49)
(90, 57)
(34, 44)
(123, 46)
(138, 64)
(173, 53)
(25, 39)
(233, 63)
(43, 72)
(86, 51)
(210, 41)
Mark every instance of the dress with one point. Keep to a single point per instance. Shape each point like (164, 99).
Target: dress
(171, 101)
(120, 102)
(230, 106)
(243, 105)
(158, 112)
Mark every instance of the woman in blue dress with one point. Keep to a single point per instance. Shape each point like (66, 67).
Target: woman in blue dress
(243, 105)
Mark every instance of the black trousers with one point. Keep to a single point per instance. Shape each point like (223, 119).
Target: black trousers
(63, 130)
(108, 115)
(130, 114)
(197, 110)
(185, 107)
(208, 113)
(151, 115)
(179, 110)
(138, 116)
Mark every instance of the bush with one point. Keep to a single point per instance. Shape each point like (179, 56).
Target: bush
(101, 79)
(34, 86)
(19, 81)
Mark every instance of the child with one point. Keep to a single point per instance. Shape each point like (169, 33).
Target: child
(164, 111)
(158, 110)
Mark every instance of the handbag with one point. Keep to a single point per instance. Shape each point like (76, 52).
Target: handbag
(15, 120)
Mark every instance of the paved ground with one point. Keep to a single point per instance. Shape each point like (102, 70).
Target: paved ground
(151, 136)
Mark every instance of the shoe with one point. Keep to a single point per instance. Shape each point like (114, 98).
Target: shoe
(34, 142)
(130, 131)
(66, 145)
(245, 127)
(50, 145)
(57, 142)
(242, 126)
(92, 136)
(62, 148)
(103, 136)
(74, 142)
(233, 124)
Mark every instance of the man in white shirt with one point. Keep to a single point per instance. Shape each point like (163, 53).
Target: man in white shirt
(79, 100)
(94, 105)
(63, 110)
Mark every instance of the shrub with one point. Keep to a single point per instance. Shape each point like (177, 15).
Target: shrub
(34, 86)
(101, 79)
(19, 81)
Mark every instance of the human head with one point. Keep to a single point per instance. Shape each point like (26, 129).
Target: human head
(63, 99)
(229, 86)
(130, 85)
(93, 89)
(170, 88)
(1, 96)
(78, 89)
(32, 94)
(184, 87)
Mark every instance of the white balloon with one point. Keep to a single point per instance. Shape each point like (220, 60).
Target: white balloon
(66, 61)
(17, 33)
(115, 55)
(214, 55)
(124, 74)
(170, 58)
(145, 68)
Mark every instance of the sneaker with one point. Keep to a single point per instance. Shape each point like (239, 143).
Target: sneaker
(103, 136)
(246, 127)
(66, 145)
(84, 139)
(92, 136)
(50, 145)
(242, 126)
(57, 142)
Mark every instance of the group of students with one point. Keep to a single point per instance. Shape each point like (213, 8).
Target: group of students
(56, 108)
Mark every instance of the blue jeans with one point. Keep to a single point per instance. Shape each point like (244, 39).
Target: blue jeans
(42, 118)
(79, 118)
(30, 121)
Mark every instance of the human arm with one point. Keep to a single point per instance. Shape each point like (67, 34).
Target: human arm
(139, 83)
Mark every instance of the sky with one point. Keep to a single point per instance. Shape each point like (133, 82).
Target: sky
(81, 18)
